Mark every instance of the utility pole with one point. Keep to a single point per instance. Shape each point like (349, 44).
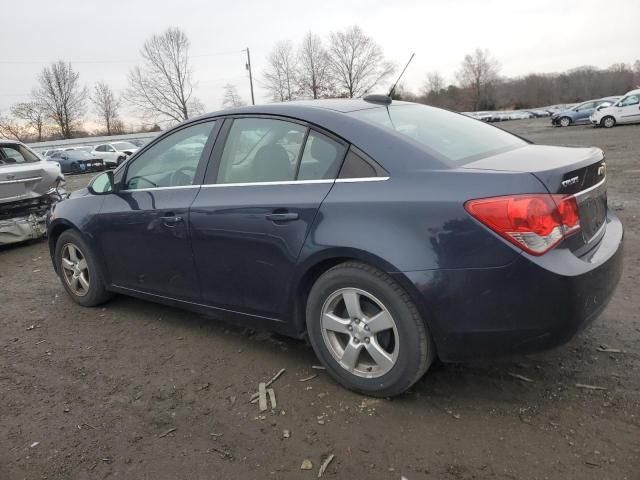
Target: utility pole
(248, 66)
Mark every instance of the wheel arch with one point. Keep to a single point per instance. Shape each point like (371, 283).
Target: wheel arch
(314, 266)
(57, 228)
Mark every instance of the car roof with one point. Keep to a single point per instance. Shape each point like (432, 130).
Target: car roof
(384, 145)
(633, 92)
(8, 140)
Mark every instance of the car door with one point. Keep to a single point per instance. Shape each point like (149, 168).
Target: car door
(628, 110)
(143, 227)
(260, 197)
(583, 112)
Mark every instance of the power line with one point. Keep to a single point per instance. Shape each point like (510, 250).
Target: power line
(40, 62)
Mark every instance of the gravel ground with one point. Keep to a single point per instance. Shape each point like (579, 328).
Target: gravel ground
(136, 390)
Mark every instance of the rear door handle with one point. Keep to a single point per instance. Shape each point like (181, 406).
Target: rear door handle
(172, 220)
(283, 217)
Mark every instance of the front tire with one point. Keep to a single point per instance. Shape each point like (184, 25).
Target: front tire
(366, 330)
(565, 122)
(608, 122)
(79, 270)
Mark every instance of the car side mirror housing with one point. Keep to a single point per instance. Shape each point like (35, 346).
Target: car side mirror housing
(102, 184)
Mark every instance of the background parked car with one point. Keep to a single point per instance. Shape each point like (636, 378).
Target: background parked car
(580, 113)
(625, 110)
(77, 161)
(28, 188)
(115, 153)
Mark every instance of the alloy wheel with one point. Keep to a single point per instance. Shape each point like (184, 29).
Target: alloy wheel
(75, 269)
(359, 332)
(609, 122)
(564, 121)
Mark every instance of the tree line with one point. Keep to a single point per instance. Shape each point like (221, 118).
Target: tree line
(345, 64)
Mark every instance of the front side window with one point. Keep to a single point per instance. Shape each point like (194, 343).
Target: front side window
(630, 100)
(261, 150)
(12, 154)
(171, 162)
(455, 138)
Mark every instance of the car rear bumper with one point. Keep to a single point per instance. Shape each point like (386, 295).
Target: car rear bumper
(531, 304)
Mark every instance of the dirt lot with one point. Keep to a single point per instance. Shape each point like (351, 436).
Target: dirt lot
(141, 391)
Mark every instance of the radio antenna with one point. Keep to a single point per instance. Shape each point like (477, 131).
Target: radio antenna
(400, 76)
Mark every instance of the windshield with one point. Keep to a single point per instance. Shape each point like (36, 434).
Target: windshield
(123, 145)
(457, 138)
(12, 154)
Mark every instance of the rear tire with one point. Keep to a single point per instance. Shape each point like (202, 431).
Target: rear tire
(79, 271)
(564, 122)
(608, 122)
(366, 331)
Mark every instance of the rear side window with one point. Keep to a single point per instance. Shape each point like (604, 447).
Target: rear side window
(261, 150)
(454, 138)
(13, 154)
(321, 158)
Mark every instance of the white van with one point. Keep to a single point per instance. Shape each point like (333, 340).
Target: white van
(625, 110)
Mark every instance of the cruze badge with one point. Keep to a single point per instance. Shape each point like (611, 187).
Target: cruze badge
(602, 169)
(570, 181)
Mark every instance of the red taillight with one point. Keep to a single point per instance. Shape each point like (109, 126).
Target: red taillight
(535, 223)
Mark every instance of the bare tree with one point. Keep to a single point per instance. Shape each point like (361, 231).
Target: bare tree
(106, 106)
(434, 83)
(356, 61)
(33, 114)
(163, 85)
(62, 98)
(9, 128)
(314, 75)
(231, 98)
(478, 72)
(280, 75)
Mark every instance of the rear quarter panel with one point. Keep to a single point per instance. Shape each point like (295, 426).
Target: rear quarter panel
(418, 221)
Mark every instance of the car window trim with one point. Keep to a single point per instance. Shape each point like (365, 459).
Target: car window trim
(202, 162)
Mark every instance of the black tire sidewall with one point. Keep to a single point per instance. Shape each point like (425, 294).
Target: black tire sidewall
(97, 293)
(411, 355)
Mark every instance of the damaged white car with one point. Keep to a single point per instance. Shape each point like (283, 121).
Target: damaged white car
(29, 186)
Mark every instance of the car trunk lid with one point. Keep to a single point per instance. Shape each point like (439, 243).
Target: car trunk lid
(24, 181)
(575, 171)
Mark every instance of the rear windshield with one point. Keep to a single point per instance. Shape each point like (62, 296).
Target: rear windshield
(455, 138)
(12, 154)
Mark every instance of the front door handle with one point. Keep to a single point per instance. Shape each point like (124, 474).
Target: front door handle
(283, 217)
(172, 220)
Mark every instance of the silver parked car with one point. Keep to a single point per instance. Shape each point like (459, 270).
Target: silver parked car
(28, 187)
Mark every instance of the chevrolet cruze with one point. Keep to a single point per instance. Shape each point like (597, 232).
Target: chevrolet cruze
(388, 233)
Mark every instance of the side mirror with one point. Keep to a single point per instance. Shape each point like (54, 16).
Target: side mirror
(102, 184)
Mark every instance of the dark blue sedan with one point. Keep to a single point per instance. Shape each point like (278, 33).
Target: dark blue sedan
(388, 234)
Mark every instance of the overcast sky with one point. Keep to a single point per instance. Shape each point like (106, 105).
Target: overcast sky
(102, 39)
